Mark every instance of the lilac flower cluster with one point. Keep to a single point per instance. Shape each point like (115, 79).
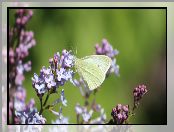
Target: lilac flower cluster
(56, 75)
(18, 50)
(31, 117)
(120, 113)
(20, 69)
(20, 42)
(22, 17)
(25, 113)
(51, 78)
(83, 112)
(17, 56)
(87, 114)
(138, 93)
(26, 42)
(107, 49)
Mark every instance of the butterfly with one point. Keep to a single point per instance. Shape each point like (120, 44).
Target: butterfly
(93, 69)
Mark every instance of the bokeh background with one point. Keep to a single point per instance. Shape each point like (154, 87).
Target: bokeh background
(138, 34)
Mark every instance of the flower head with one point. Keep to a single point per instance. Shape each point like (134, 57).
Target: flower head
(86, 115)
(39, 84)
(27, 41)
(120, 113)
(56, 75)
(106, 49)
(138, 93)
(22, 17)
(31, 117)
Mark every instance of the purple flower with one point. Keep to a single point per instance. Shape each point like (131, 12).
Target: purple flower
(78, 109)
(19, 100)
(41, 89)
(20, 94)
(26, 42)
(44, 81)
(19, 79)
(61, 65)
(27, 66)
(114, 67)
(31, 104)
(69, 74)
(57, 74)
(120, 113)
(61, 74)
(36, 119)
(68, 59)
(107, 49)
(20, 69)
(39, 84)
(85, 114)
(51, 78)
(31, 117)
(22, 17)
(36, 79)
(138, 93)
(25, 113)
(20, 42)
(50, 81)
(46, 71)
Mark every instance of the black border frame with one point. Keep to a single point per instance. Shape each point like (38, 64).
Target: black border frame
(164, 8)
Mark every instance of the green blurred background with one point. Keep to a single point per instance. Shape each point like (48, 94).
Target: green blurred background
(138, 34)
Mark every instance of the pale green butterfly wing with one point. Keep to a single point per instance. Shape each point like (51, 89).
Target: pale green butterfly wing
(90, 73)
(102, 61)
(93, 69)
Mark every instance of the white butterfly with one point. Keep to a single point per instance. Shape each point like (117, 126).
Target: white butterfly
(93, 69)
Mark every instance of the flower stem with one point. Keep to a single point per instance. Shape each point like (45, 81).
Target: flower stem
(78, 119)
(41, 109)
(46, 99)
(13, 112)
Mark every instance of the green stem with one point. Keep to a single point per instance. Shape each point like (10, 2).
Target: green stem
(42, 105)
(46, 99)
(78, 116)
(13, 112)
(41, 109)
